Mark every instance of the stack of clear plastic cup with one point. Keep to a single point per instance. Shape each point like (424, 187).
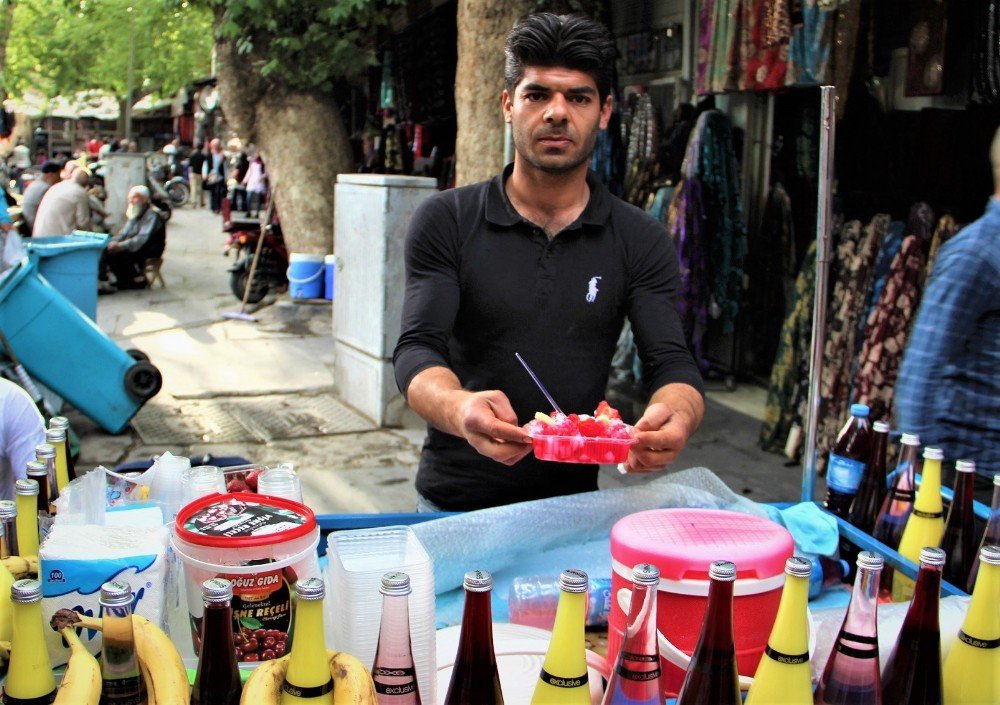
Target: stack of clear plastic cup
(357, 560)
(281, 481)
(202, 480)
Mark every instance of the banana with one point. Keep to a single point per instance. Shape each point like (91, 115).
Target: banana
(4, 652)
(147, 680)
(21, 566)
(81, 685)
(263, 687)
(352, 683)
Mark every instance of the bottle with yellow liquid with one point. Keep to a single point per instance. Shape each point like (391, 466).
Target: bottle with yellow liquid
(972, 669)
(783, 676)
(29, 680)
(27, 517)
(8, 537)
(563, 679)
(925, 527)
(6, 620)
(57, 438)
(308, 681)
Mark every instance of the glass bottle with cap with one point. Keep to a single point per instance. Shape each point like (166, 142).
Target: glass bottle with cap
(393, 671)
(851, 676)
(711, 677)
(972, 669)
(898, 504)
(6, 581)
(564, 678)
(122, 683)
(871, 493)
(27, 517)
(912, 673)
(38, 472)
(991, 536)
(474, 677)
(784, 675)
(959, 540)
(46, 453)
(925, 526)
(61, 422)
(57, 438)
(8, 517)
(29, 677)
(635, 678)
(308, 681)
(217, 681)
(847, 461)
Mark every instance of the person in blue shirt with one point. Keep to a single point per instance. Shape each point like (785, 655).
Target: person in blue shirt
(948, 390)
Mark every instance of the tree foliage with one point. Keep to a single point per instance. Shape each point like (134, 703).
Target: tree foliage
(63, 46)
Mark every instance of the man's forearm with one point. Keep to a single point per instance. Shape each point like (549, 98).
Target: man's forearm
(683, 399)
(436, 394)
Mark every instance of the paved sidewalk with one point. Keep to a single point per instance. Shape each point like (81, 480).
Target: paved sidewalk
(265, 391)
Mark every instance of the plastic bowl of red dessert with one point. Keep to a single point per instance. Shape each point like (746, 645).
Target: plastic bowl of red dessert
(581, 438)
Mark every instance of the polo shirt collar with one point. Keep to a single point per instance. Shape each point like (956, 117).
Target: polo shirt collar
(500, 211)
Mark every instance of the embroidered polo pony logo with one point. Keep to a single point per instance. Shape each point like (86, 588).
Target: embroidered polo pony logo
(592, 289)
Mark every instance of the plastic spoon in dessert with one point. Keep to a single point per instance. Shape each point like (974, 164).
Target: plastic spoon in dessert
(538, 382)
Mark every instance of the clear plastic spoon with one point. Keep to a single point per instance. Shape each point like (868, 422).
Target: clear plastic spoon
(539, 383)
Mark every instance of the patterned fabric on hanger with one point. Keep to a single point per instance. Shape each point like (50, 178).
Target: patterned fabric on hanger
(945, 230)
(702, 82)
(809, 59)
(777, 23)
(723, 62)
(686, 225)
(762, 62)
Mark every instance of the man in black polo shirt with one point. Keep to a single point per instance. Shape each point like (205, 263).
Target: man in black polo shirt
(544, 261)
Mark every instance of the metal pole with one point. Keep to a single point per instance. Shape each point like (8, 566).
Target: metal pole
(823, 248)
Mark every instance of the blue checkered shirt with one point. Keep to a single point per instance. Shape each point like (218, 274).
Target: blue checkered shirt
(949, 385)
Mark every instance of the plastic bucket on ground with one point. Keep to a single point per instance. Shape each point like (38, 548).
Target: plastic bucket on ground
(305, 276)
(683, 543)
(262, 544)
(329, 270)
(70, 263)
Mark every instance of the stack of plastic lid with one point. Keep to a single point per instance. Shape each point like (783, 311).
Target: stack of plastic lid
(357, 560)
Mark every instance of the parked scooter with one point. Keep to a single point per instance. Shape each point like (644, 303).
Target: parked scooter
(243, 234)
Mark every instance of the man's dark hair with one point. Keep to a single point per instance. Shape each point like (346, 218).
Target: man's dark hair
(567, 41)
(51, 167)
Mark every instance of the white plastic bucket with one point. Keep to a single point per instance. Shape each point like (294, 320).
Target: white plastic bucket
(305, 276)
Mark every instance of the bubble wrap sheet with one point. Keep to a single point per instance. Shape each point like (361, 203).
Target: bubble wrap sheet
(547, 536)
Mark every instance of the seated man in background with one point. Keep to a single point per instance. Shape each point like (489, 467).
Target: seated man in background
(21, 429)
(33, 194)
(65, 207)
(143, 236)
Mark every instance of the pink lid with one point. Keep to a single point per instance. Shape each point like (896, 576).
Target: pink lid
(682, 543)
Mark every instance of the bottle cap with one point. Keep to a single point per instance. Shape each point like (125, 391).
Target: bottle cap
(116, 593)
(798, 567)
(56, 435)
(870, 560)
(931, 453)
(27, 488)
(310, 589)
(931, 555)
(59, 422)
(880, 427)
(573, 580)
(724, 571)
(646, 574)
(38, 468)
(217, 590)
(478, 581)
(44, 451)
(26, 591)
(395, 584)
(990, 554)
(996, 479)
(8, 509)
(861, 410)
(910, 439)
(965, 466)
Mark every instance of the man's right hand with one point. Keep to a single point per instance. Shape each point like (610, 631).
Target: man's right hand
(488, 422)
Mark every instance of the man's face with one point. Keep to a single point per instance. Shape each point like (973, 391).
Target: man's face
(555, 114)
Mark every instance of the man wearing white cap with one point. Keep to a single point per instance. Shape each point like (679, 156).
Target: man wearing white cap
(142, 237)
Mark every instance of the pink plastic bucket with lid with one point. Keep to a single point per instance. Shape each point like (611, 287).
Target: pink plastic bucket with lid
(682, 543)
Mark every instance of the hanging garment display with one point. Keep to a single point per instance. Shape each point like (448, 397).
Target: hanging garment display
(809, 49)
(763, 57)
(891, 243)
(705, 8)
(986, 52)
(777, 23)
(641, 134)
(686, 225)
(723, 63)
(945, 230)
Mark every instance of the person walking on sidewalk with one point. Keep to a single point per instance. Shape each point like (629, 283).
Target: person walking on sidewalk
(214, 171)
(196, 163)
(541, 260)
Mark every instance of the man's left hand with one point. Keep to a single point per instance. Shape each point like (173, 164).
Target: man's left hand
(112, 246)
(661, 433)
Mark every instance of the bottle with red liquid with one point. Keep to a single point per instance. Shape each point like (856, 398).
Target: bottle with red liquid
(847, 462)
(474, 678)
(851, 676)
(712, 678)
(871, 493)
(912, 673)
(217, 681)
(959, 541)
(898, 504)
(393, 672)
(991, 536)
(635, 678)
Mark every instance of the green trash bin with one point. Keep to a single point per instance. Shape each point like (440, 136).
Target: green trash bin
(70, 263)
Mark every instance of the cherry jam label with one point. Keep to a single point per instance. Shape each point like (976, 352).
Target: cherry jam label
(234, 518)
(262, 614)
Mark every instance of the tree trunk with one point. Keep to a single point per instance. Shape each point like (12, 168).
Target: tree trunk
(302, 140)
(482, 28)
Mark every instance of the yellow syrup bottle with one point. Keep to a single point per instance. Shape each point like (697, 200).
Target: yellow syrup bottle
(29, 680)
(27, 517)
(972, 669)
(925, 527)
(6, 618)
(57, 438)
(308, 681)
(783, 676)
(564, 672)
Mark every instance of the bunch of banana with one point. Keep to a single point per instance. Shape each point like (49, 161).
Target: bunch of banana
(161, 665)
(81, 685)
(21, 566)
(352, 684)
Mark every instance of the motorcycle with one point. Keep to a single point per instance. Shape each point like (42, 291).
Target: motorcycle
(242, 236)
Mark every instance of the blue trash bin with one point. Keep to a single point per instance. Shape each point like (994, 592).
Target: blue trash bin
(67, 352)
(70, 264)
